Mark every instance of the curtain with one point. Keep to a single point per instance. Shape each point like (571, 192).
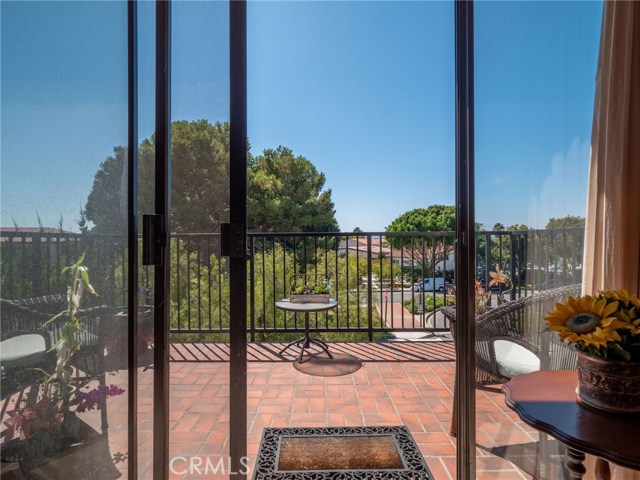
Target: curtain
(612, 236)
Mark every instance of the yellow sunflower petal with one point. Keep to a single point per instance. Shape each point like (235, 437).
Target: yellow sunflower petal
(609, 309)
(598, 306)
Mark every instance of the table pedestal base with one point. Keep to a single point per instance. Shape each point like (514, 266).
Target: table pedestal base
(306, 343)
(575, 463)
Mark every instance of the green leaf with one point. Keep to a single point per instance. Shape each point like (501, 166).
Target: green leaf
(619, 352)
(54, 318)
(54, 347)
(80, 260)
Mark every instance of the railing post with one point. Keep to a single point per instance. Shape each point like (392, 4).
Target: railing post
(512, 261)
(252, 289)
(8, 264)
(488, 261)
(36, 265)
(369, 291)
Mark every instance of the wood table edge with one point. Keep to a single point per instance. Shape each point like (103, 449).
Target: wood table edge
(566, 439)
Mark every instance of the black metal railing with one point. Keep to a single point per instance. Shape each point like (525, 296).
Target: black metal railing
(378, 278)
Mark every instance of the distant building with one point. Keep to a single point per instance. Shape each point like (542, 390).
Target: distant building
(359, 246)
(379, 247)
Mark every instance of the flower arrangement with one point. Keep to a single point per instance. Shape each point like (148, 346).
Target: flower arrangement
(498, 278)
(606, 325)
(304, 289)
(481, 298)
(318, 289)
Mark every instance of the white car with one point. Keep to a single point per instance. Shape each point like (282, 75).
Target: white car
(428, 285)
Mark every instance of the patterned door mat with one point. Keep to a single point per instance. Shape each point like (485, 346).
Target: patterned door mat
(339, 453)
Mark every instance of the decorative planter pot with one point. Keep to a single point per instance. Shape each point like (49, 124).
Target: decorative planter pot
(313, 298)
(609, 385)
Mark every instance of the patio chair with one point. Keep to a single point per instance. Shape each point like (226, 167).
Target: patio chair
(26, 342)
(511, 339)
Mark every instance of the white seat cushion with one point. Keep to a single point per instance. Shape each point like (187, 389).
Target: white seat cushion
(22, 351)
(513, 359)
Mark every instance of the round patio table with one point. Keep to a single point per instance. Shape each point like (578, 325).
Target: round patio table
(306, 308)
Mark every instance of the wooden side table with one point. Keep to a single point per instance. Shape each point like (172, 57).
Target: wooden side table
(547, 401)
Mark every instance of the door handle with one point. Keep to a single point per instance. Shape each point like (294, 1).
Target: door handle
(152, 239)
(232, 240)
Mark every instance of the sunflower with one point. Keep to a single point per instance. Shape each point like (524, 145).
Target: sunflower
(623, 296)
(628, 308)
(586, 319)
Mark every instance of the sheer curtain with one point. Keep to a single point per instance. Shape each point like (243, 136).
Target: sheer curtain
(612, 237)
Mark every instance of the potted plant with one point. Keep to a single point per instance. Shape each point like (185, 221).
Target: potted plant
(41, 431)
(605, 330)
(481, 297)
(305, 291)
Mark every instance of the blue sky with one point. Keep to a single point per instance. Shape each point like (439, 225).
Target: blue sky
(365, 90)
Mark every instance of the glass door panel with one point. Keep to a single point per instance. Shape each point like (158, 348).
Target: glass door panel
(535, 66)
(65, 386)
(351, 180)
(199, 438)
(146, 38)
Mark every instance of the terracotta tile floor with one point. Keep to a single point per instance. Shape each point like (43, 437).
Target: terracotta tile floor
(400, 383)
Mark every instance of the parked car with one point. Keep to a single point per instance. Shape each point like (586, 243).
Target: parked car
(428, 285)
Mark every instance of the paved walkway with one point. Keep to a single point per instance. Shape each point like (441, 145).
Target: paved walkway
(396, 316)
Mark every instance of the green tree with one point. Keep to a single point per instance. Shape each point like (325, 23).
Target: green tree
(106, 205)
(199, 180)
(435, 218)
(386, 271)
(562, 244)
(501, 247)
(518, 227)
(569, 221)
(286, 194)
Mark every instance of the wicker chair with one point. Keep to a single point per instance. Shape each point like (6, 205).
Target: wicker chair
(27, 341)
(520, 322)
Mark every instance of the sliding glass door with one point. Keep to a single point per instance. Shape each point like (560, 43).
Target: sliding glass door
(535, 76)
(65, 271)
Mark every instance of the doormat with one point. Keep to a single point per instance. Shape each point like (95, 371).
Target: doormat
(340, 453)
(320, 365)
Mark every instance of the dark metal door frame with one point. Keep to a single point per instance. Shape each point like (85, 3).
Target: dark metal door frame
(238, 219)
(237, 260)
(132, 234)
(161, 270)
(465, 243)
